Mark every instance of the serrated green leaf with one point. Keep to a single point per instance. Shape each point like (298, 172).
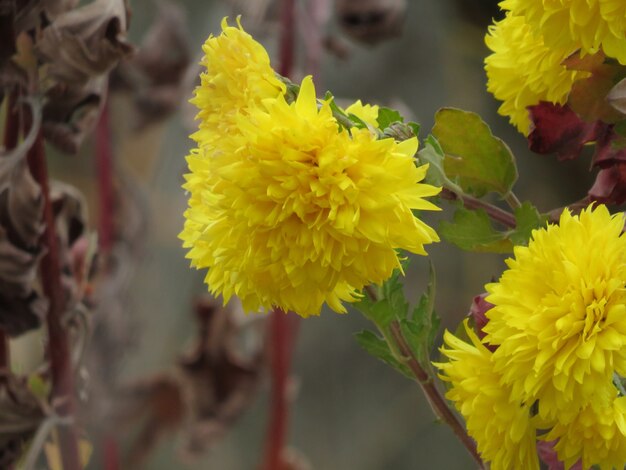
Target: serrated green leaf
(424, 322)
(472, 231)
(527, 219)
(416, 335)
(475, 159)
(435, 323)
(379, 348)
(387, 116)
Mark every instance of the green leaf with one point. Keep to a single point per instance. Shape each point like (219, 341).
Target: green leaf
(472, 231)
(420, 329)
(358, 122)
(432, 153)
(527, 219)
(475, 159)
(387, 116)
(379, 312)
(379, 348)
(390, 305)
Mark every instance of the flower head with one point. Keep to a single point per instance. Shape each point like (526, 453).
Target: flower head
(597, 436)
(500, 423)
(290, 211)
(559, 315)
(238, 76)
(522, 70)
(589, 25)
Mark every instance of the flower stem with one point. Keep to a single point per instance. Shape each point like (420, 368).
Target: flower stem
(495, 213)
(58, 340)
(104, 166)
(436, 401)
(512, 200)
(281, 347)
(288, 37)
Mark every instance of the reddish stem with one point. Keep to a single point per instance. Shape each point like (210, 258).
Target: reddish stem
(288, 37)
(104, 168)
(281, 339)
(495, 213)
(58, 339)
(111, 453)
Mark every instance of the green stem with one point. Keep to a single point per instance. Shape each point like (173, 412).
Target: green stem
(512, 200)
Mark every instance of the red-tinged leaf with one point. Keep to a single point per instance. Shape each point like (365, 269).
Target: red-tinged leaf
(610, 185)
(558, 129)
(607, 152)
(548, 455)
(477, 311)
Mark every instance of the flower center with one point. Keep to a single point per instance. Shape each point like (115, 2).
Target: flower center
(594, 318)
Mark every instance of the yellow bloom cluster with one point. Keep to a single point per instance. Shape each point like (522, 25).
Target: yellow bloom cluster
(286, 209)
(522, 71)
(589, 25)
(558, 327)
(530, 44)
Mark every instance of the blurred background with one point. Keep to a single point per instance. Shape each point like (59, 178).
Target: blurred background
(349, 410)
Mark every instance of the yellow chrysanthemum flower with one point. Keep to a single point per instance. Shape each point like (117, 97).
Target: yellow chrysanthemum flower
(368, 113)
(500, 424)
(238, 76)
(590, 25)
(597, 435)
(559, 315)
(289, 211)
(522, 70)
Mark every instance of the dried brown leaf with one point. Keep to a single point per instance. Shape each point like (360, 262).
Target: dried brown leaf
(155, 75)
(21, 206)
(85, 42)
(69, 207)
(71, 113)
(20, 416)
(213, 385)
(371, 21)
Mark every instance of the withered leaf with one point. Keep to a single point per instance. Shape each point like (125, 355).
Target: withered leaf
(85, 42)
(155, 74)
(71, 112)
(371, 21)
(21, 206)
(211, 388)
(70, 217)
(20, 416)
